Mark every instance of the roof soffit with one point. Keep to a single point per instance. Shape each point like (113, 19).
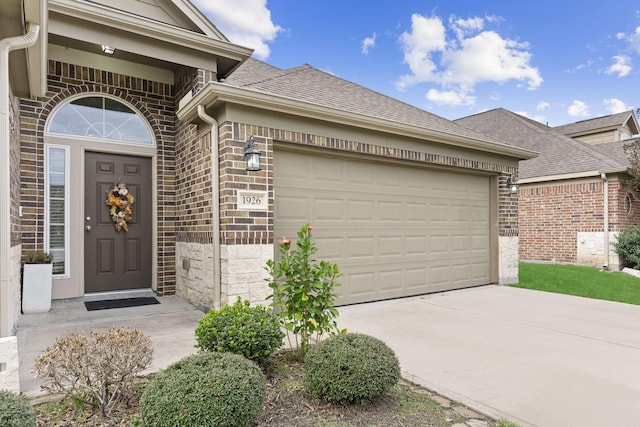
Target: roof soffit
(214, 94)
(99, 24)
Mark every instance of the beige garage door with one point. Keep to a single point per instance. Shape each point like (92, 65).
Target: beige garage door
(394, 230)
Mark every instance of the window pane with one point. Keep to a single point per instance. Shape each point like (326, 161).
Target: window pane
(56, 202)
(100, 117)
(57, 256)
(56, 211)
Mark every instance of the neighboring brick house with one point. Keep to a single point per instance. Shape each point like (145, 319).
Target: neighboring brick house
(570, 191)
(156, 98)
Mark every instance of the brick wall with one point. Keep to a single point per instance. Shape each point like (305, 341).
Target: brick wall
(552, 216)
(155, 101)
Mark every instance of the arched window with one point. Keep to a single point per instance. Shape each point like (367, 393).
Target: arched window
(100, 117)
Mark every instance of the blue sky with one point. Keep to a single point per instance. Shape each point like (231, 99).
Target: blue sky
(554, 61)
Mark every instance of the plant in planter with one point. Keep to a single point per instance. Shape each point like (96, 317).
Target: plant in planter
(37, 275)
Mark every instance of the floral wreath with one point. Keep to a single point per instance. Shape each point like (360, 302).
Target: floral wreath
(121, 202)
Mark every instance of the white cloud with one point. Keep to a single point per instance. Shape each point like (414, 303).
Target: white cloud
(542, 105)
(614, 105)
(244, 22)
(368, 43)
(621, 66)
(633, 39)
(465, 26)
(450, 97)
(459, 63)
(578, 109)
(428, 36)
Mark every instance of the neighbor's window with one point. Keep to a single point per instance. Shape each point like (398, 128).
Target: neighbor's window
(100, 117)
(56, 212)
(627, 204)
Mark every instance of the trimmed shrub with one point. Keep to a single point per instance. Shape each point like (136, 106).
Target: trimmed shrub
(206, 389)
(98, 368)
(351, 368)
(628, 245)
(253, 332)
(15, 410)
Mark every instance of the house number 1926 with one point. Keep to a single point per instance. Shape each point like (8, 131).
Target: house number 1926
(252, 200)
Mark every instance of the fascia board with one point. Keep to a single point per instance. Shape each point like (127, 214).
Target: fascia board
(102, 15)
(214, 93)
(199, 19)
(569, 176)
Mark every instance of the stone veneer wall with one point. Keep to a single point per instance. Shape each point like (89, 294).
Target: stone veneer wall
(156, 102)
(564, 223)
(243, 273)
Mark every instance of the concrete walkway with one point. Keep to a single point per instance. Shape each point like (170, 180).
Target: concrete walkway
(535, 358)
(170, 325)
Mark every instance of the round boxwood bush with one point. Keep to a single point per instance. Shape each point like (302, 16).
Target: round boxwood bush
(628, 245)
(253, 332)
(206, 389)
(351, 368)
(15, 410)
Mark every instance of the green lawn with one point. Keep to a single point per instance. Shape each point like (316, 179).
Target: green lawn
(587, 282)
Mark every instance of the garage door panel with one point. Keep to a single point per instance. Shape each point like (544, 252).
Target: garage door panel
(394, 230)
(389, 246)
(361, 211)
(417, 245)
(328, 209)
(391, 213)
(361, 247)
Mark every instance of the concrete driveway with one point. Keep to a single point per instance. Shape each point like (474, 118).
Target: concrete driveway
(535, 358)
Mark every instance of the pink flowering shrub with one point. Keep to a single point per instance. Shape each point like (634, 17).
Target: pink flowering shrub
(303, 290)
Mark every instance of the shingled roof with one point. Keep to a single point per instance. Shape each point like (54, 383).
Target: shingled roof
(557, 154)
(306, 83)
(605, 122)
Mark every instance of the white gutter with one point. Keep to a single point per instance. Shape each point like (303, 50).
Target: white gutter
(7, 45)
(605, 185)
(215, 178)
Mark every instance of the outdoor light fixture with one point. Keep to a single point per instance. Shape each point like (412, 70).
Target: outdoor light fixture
(252, 156)
(512, 185)
(108, 49)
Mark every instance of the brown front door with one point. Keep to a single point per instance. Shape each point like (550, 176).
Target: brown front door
(117, 260)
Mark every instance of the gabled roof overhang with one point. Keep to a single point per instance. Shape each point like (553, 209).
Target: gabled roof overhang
(214, 94)
(80, 23)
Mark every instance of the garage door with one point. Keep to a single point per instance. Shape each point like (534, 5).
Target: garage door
(394, 230)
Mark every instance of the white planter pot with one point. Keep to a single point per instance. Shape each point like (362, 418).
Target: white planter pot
(36, 288)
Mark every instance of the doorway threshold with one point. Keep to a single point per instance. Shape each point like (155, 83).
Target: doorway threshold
(127, 293)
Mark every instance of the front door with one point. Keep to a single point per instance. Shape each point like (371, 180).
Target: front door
(117, 260)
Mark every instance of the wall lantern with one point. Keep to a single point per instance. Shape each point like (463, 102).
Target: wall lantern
(252, 156)
(512, 185)
(108, 49)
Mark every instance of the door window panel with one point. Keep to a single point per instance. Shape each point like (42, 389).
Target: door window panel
(100, 117)
(56, 201)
